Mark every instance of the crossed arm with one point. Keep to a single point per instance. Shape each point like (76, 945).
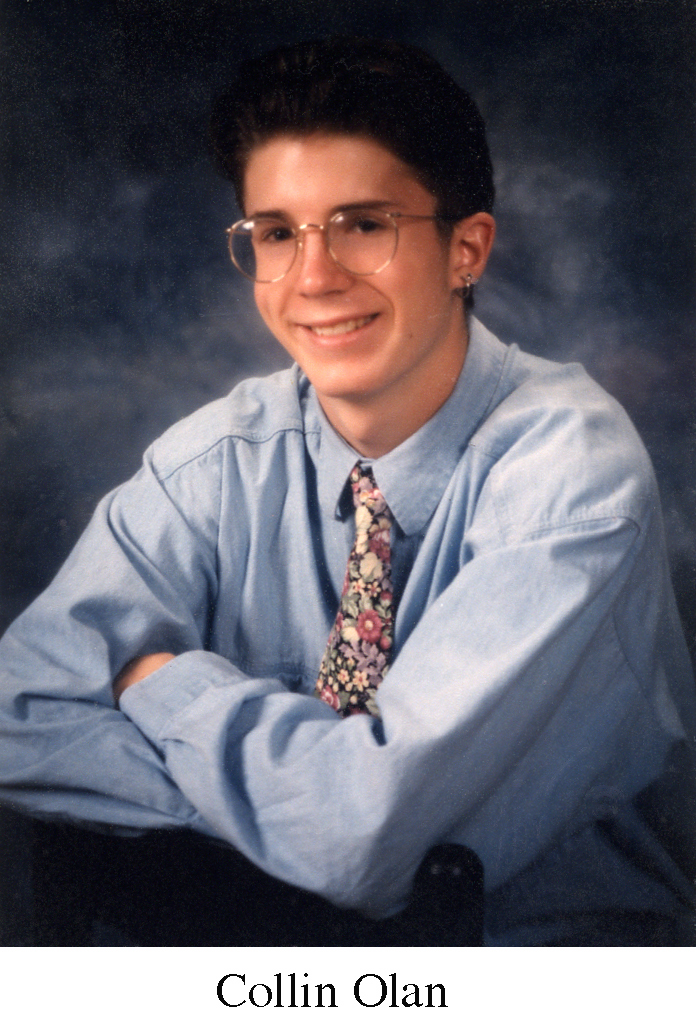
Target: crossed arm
(503, 736)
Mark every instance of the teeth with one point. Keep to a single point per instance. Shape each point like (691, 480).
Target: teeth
(342, 328)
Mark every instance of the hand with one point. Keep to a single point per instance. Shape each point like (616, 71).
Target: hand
(137, 669)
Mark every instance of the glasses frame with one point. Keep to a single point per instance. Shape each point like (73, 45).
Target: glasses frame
(300, 231)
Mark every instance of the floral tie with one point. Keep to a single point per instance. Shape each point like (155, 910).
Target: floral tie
(358, 652)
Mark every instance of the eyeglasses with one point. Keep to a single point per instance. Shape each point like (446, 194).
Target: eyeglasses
(362, 241)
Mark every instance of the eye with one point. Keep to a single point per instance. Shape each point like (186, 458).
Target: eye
(362, 222)
(268, 233)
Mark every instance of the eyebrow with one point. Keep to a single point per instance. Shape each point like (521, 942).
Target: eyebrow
(277, 213)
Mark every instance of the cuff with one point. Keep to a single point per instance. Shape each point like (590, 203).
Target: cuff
(155, 700)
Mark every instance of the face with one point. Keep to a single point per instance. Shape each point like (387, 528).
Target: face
(389, 339)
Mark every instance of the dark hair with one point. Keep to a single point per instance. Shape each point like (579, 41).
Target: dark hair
(394, 93)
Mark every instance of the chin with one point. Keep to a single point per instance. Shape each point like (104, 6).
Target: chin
(350, 389)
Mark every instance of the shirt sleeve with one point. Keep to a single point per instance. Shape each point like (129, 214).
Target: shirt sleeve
(139, 581)
(502, 719)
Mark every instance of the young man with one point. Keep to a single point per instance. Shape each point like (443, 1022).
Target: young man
(411, 591)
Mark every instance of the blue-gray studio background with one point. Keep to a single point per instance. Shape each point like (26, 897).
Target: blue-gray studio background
(121, 311)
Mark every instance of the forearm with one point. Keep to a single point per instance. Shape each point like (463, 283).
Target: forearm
(65, 751)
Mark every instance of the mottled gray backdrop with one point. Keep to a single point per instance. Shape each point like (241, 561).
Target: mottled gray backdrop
(122, 312)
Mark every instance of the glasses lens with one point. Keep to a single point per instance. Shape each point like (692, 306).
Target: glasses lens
(363, 241)
(262, 249)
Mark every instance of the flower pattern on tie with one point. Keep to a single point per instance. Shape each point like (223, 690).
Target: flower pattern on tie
(358, 652)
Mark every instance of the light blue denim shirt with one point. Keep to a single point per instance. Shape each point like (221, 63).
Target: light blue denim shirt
(540, 694)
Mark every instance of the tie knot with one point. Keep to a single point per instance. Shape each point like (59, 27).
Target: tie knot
(366, 493)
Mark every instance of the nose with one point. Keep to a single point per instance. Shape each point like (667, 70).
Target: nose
(318, 272)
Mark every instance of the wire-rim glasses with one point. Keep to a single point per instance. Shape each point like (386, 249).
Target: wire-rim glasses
(362, 241)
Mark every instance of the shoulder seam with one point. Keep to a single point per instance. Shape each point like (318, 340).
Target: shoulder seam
(232, 435)
(538, 531)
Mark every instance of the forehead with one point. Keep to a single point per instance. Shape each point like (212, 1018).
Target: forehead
(327, 170)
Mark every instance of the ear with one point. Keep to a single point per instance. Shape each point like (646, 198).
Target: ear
(470, 245)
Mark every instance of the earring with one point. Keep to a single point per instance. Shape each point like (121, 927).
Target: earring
(465, 290)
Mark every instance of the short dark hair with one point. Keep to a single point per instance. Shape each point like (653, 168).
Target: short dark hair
(392, 92)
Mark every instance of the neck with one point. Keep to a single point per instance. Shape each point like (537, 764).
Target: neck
(374, 426)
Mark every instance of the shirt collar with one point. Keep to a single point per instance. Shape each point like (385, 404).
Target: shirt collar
(414, 476)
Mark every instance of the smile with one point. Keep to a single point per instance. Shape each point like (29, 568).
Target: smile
(327, 331)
